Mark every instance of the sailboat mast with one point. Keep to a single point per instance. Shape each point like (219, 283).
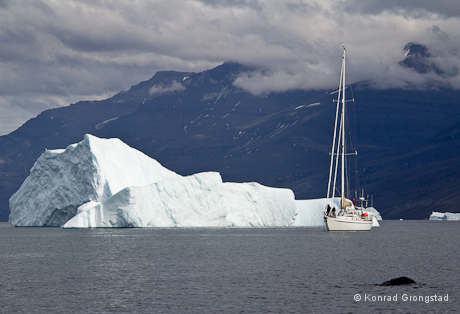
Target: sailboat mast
(334, 136)
(343, 129)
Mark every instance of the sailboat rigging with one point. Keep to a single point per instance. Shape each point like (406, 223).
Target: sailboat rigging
(348, 218)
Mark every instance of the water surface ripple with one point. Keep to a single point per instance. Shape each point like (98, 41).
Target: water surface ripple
(300, 270)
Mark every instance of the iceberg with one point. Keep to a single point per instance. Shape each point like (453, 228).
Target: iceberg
(374, 212)
(105, 183)
(376, 217)
(445, 216)
(311, 212)
(199, 200)
(94, 169)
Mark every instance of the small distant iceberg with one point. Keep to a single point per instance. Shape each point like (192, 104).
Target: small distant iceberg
(445, 216)
(106, 183)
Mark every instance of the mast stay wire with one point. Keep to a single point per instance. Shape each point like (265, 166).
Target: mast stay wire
(353, 174)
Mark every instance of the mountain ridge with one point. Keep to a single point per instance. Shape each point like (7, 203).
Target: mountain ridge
(204, 122)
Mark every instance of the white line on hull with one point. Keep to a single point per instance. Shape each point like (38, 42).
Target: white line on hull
(347, 224)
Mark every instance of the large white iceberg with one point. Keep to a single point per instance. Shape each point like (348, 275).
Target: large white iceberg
(445, 216)
(194, 201)
(105, 183)
(91, 170)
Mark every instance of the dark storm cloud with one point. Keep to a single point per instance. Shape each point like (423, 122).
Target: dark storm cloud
(57, 52)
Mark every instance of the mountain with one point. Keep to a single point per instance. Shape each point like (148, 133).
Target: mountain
(419, 59)
(408, 140)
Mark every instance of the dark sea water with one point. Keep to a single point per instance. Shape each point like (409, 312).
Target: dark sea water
(302, 270)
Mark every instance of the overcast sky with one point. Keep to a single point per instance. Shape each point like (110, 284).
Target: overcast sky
(55, 52)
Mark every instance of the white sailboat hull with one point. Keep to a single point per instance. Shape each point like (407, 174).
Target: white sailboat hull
(347, 223)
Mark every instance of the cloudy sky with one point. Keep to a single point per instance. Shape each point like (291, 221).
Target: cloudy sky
(55, 52)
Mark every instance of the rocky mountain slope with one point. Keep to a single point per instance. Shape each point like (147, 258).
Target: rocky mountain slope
(408, 140)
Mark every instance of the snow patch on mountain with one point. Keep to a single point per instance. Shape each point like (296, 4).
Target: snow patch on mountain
(160, 89)
(100, 125)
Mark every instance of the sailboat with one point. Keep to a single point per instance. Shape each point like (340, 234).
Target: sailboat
(347, 217)
(364, 207)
